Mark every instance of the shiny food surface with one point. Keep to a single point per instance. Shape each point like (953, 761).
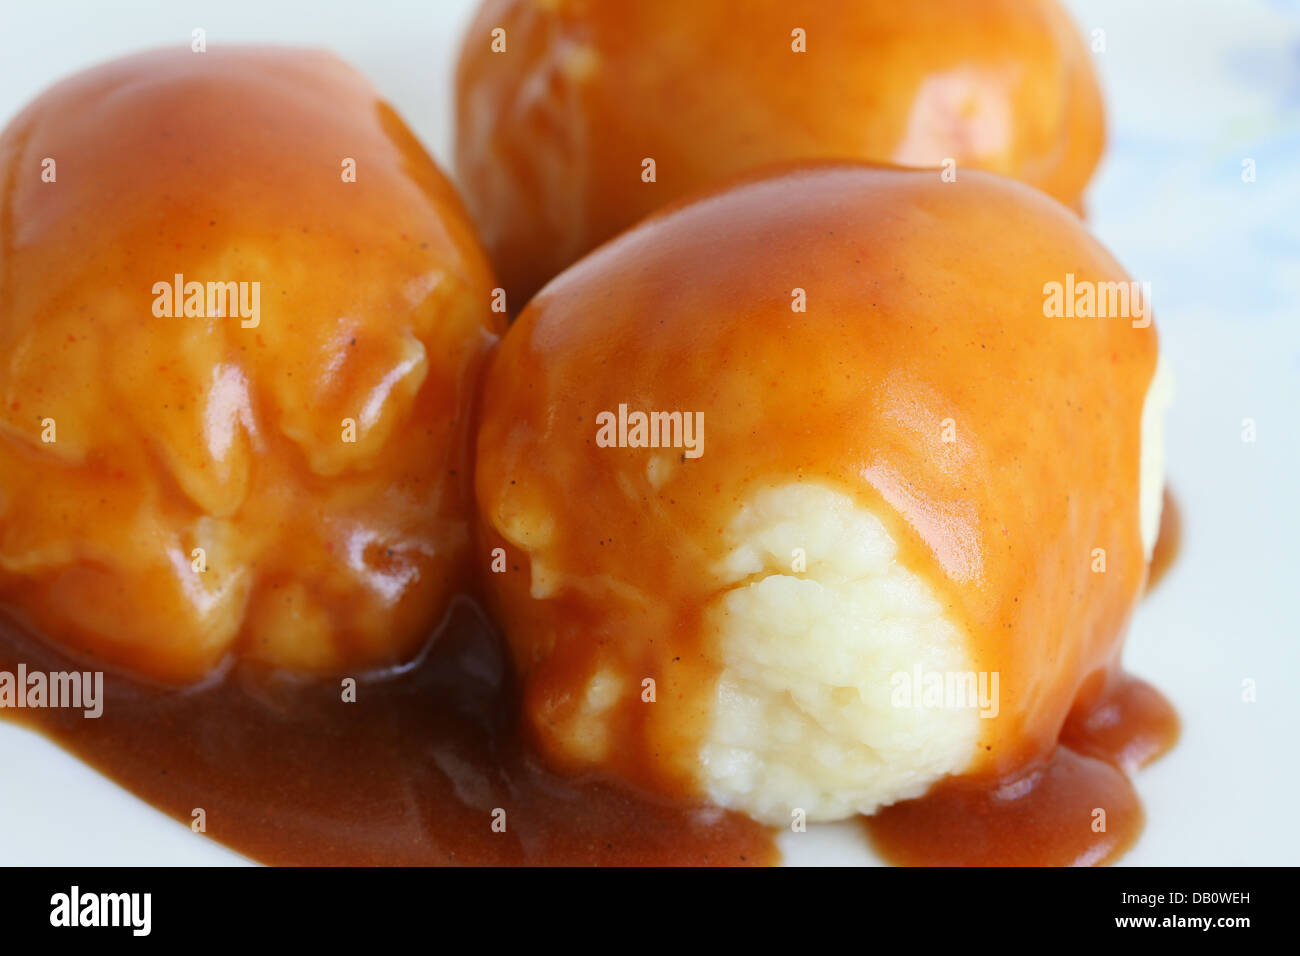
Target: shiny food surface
(415, 770)
(924, 312)
(553, 130)
(178, 478)
(424, 768)
(1074, 807)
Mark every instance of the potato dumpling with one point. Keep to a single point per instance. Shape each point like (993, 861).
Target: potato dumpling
(241, 317)
(559, 113)
(754, 473)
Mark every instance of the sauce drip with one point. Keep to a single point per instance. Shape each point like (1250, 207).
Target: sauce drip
(410, 774)
(1049, 814)
(683, 312)
(1045, 816)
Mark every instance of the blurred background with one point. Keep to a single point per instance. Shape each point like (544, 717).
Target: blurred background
(1198, 194)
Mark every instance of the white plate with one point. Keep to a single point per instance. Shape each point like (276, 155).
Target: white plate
(1194, 87)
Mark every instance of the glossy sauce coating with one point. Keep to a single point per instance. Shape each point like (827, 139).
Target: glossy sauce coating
(1073, 807)
(176, 432)
(412, 772)
(552, 132)
(409, 774)
(925, 304)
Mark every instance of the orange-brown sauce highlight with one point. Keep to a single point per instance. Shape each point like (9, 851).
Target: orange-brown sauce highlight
(179, 431)
(1047, 815)
(411, 772)
(1076, 807)
(906, 331)
(545, 138)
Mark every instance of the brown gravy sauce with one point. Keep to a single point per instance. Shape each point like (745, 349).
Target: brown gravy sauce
(1048, 815)
(408, 774)
(412, 772)
(1077, 807)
